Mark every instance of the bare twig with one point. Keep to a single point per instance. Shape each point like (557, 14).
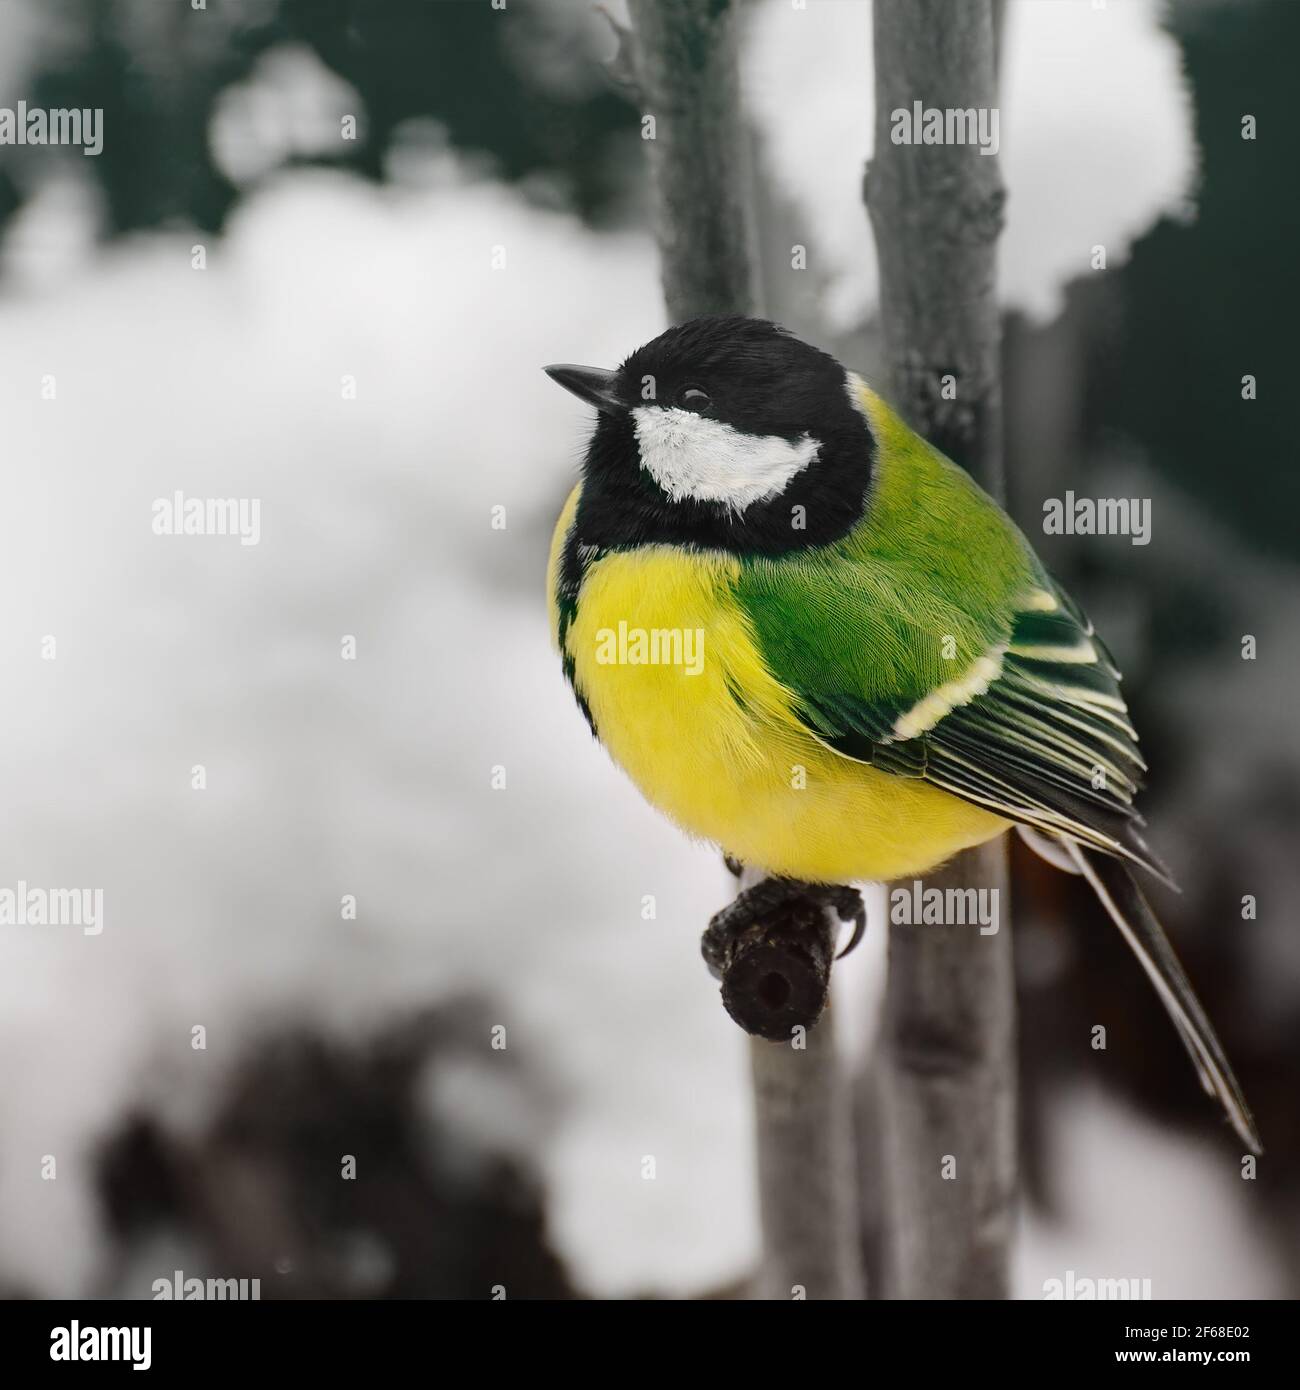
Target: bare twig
(776, 973)
(948, 1068)
(685, 66)
(684, 63)
(805, 1170)
(948, 1081)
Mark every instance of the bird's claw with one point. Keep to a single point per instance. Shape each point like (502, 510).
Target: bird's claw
(752, 906)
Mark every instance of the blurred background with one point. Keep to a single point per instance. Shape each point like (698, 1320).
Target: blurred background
(323, 254)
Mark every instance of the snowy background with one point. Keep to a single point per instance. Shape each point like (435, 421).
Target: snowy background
(328, 777)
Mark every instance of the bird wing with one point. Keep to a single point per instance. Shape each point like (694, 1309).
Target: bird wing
(1036, 729)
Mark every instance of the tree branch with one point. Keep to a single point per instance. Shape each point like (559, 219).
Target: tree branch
(805, 1170)
(947, 1064)
(684, 63)
(776, 973)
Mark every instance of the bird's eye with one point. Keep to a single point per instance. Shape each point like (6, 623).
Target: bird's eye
(693, 399)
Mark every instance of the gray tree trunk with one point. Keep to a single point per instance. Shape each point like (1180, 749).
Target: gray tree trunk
(682, 63)
(947, 1065)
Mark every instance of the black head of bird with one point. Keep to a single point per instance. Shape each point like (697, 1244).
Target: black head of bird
(728, 433)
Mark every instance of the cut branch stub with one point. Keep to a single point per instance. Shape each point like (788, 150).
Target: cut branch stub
(777, 973)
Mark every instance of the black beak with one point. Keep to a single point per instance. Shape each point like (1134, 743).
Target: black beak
(590, 384)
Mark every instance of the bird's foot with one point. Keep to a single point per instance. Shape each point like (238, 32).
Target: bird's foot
(772, 949)
(751, 907)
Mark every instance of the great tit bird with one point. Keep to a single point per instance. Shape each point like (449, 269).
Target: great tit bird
(812, 640)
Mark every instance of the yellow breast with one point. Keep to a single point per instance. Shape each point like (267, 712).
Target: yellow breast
(683, 701)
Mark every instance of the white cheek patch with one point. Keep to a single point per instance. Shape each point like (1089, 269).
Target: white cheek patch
(689, 455)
